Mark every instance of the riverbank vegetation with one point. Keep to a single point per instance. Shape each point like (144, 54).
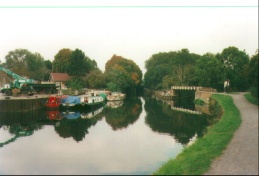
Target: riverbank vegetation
(183, 68)
(251, 98)
(197, 158)
(163, 70)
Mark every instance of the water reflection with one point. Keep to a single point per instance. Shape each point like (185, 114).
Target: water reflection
(20, 124)
(76, 123)
(133, 138)
(125, 115)
(184, 125)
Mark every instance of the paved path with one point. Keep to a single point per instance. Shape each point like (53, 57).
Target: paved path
(241, 155)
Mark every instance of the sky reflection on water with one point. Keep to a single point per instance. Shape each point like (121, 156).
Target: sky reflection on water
(104, 149)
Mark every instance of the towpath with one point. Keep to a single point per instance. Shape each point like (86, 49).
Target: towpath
(241, 155)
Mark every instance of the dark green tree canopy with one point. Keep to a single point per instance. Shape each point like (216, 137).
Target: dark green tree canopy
(122, 72)
(61, 60)
(209, 72)
(77, 64)
(25, 63)
(234, 62)
(179, 65)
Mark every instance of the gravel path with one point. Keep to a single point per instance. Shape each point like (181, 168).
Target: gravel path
(241, 154)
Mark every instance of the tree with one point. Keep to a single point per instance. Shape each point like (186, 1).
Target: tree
(25, 63)
(36, 66)
(234, 63)
(61, 60)
(77, 64)
(167, 82)
(48, 65)
(16, 61)
(124, 73)
(253, 74)
(209, 72)
(153, 78)
(95, 79)
(179, 65)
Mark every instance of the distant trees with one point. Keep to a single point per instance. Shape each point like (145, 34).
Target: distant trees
(163, 69)
(25, 63)
(209, 70)
(178, 66)
(95, 79)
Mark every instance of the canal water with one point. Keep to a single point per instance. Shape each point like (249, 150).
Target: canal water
(135, 136)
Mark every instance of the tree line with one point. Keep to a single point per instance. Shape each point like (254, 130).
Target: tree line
(120, 74)
(183, 68)
(164, 69)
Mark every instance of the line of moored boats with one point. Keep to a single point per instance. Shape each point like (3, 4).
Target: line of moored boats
(88, 99)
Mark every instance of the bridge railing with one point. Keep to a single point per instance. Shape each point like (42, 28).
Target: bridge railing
(208, 89)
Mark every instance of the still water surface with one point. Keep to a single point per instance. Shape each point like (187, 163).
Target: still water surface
(135, 138)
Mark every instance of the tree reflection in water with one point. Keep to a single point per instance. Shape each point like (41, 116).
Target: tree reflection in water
(73, 125)
(21, 124)
(125, 115)
(181, 125)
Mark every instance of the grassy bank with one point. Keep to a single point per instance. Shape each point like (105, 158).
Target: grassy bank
(251, 99)
(197, 158)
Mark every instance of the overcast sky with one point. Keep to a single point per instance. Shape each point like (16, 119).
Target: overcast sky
(136, 30)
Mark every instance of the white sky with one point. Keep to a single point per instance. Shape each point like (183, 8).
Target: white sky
(130, 31)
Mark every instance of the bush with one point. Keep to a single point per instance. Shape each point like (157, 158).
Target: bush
(199, 102)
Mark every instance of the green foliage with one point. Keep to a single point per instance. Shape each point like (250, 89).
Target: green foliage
(61, 61)
(167, 82)
(76, 83)
(179, 65)
(199, 102)
(251, 98)
(196, 159)
(153, 78)
(124, 73)
(209, 72)
(113, 87)
(95, 79)
(48, 65)
(25, 63)
(253, 74)
(77, 64)
(234, 62)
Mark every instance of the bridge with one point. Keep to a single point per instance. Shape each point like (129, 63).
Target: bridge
(199, 88)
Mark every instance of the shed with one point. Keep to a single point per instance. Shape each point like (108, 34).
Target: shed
(60, 79)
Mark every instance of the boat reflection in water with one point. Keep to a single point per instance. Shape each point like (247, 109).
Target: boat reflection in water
(114, 104)
(142, 131)
(73, 114)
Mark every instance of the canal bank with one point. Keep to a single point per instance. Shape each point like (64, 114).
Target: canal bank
(232, 148)
(22, 103)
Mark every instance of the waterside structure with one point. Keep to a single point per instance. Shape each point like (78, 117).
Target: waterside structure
(22, 103)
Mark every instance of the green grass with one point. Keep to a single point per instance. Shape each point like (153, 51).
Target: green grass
(251, 99)
(197, 158)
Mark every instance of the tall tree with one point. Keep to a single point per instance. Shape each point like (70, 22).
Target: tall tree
(77, 65)
(253, 74)
(36, 66)
(124, 73)
(95, 79)
(16, 61)
(234, 62)
(61, 60)
(209, 72)
(25, 63)
(177, 64)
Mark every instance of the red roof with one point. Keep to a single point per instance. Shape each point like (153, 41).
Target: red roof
(60, 77)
